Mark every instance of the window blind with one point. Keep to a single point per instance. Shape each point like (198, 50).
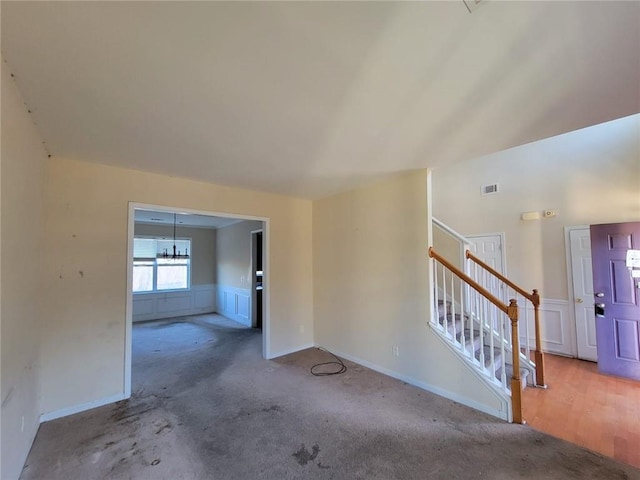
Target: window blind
(155, 247)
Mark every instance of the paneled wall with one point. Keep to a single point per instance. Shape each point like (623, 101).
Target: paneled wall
(197, 300)
(234, 303)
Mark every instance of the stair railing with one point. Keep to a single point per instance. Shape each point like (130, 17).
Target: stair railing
(534, 298)
(449, 301)
(463, 242)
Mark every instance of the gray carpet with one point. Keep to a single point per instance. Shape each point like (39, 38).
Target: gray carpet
(207, 406)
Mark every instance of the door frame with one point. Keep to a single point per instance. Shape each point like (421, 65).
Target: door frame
(266, 314)
(571, 297)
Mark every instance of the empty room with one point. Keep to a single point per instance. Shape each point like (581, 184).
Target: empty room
(321, 240)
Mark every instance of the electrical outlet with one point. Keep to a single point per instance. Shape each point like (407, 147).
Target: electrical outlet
(395, 351)
(22, 424)
(301, 328)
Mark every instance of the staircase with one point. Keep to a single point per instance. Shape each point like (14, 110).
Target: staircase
(484, 318)
(465, 330)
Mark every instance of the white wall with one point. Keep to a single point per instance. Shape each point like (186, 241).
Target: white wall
(23, 158)
(233, 251)
(589, 176)
(371, 288)
(87, 209)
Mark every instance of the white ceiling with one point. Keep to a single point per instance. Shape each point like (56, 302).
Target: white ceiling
(312, 98)
(182, 219)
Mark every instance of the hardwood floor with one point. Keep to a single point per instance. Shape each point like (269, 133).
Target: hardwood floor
(599, 412)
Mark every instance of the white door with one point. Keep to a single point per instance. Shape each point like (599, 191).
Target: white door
(488, 248)
(580, 244)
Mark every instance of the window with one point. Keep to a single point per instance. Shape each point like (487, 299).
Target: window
(153, 272)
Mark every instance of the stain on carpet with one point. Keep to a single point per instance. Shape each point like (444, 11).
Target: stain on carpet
(303, 456)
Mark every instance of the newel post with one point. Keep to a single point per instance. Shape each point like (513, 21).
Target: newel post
(539, 353)
(516, 382)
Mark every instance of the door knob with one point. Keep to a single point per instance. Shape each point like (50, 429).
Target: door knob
(599, 294)
(600, 305)
(579, 300)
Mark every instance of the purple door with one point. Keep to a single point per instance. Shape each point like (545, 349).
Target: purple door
(617, 304)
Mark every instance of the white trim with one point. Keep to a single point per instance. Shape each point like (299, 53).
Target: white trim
(504, 415)
(289, 351)
(158, 308)
(64, 412)
(446, 228)
(128, 316)
(133, 206)
(561, 346)
(573, 333)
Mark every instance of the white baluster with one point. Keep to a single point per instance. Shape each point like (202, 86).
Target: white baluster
(453, 307)
(462, 315)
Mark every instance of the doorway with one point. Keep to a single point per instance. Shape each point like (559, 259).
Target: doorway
(257, 281)
(581, 288)
(223, 216)
(615, 259)
(489, 249)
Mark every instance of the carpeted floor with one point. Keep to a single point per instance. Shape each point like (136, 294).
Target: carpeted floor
(207, 406)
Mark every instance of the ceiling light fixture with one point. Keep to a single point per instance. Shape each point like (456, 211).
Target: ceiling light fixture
(176, 253)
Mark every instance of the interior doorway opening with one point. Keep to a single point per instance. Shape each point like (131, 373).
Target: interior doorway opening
(212, 272)
(257, 275)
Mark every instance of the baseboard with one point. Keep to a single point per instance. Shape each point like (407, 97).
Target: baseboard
(65, 412)
(424, 386)
(282, 353)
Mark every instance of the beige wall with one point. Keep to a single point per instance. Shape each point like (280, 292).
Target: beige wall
(371, 287)
(203, 248)
(234, 254)
(590, 176)
(23, 159)
(87, 208)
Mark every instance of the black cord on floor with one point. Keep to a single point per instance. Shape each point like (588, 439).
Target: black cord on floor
(342, 367)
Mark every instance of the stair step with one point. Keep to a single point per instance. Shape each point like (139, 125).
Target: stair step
(497, 357)
(471, 344)
(450, 323)
(474, 345)
(524, 375)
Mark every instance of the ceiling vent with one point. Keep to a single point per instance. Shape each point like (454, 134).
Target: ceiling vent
(489, 189)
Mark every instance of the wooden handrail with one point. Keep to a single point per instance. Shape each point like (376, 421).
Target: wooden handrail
(529, 296)
(470, 281)
(534, 298)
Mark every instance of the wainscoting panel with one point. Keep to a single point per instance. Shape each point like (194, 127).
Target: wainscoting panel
(152, 306)
(204, 298)
(554, 323)
(235, 303)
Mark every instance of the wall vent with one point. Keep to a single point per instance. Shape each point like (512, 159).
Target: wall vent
(489, 189)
